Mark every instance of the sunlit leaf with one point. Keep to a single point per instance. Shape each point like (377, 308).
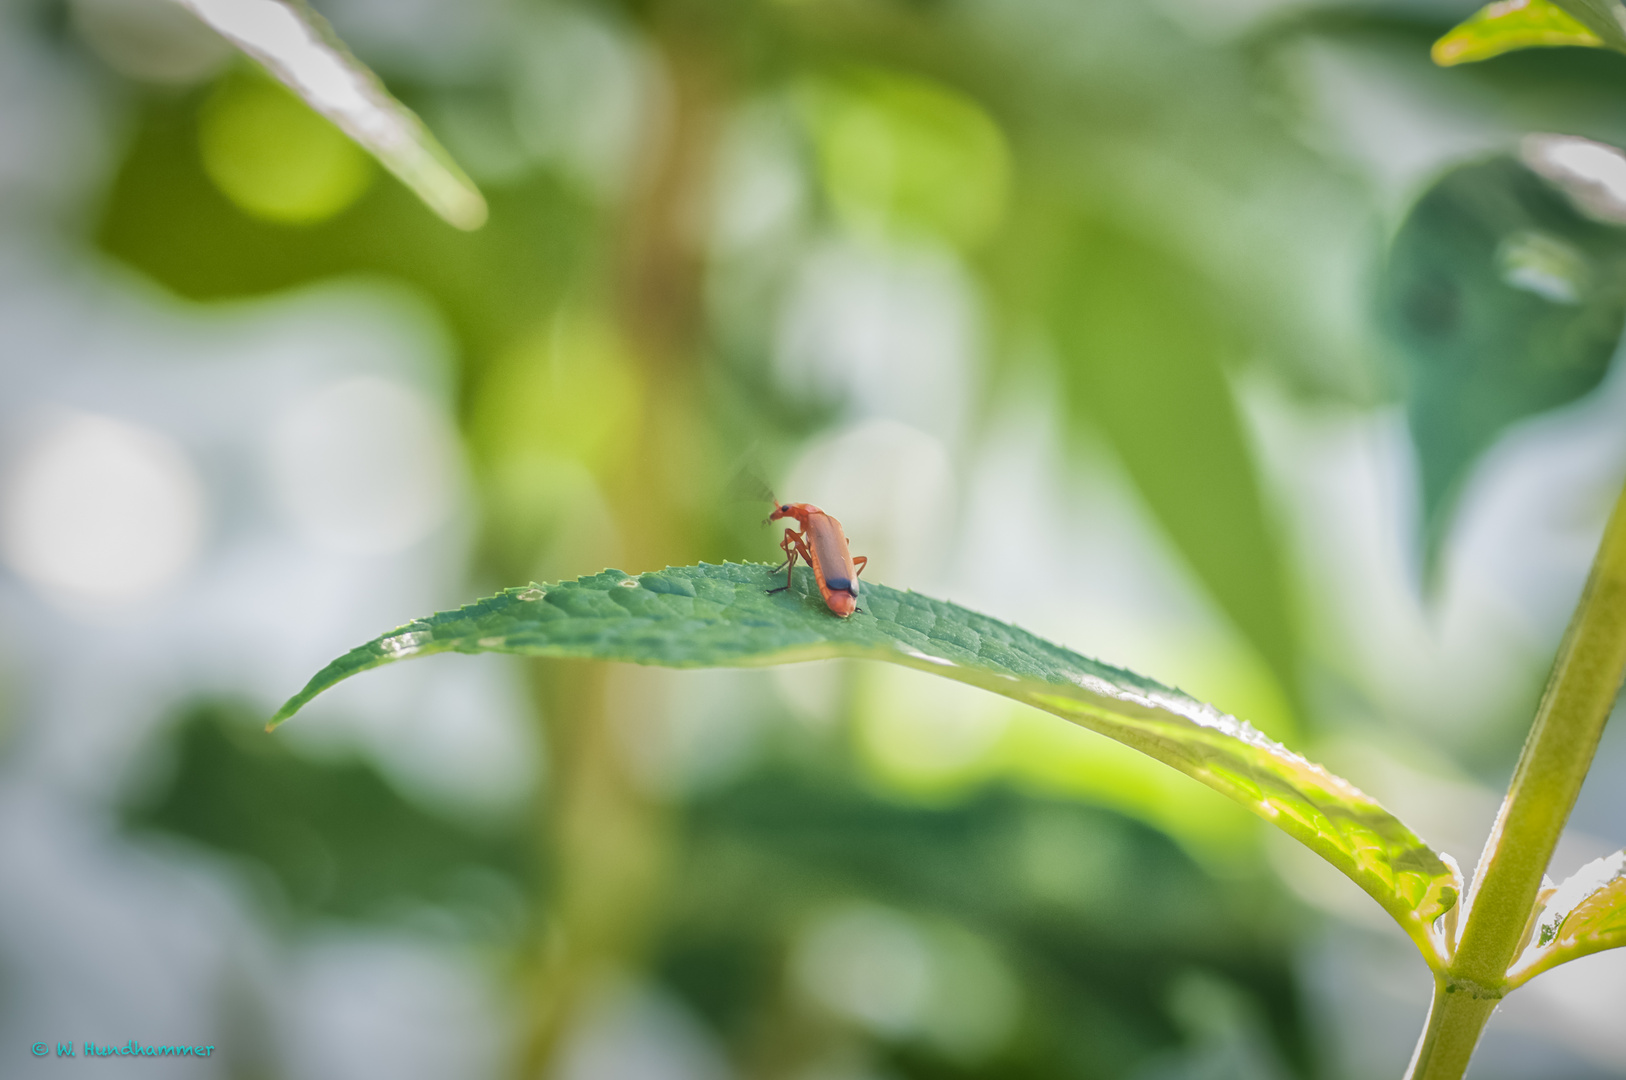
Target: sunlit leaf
(297, 46)
(1509, 25)
(1602, 17)
(1586, 914)
(723, 616)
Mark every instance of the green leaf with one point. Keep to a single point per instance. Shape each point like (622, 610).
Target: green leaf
(337, 838)
(1092, 914)
(723, 616)
(1501, 300)
(886, 140)
(1508, 25)
(1584, 915)
(296, 45)
(1602, 17)
(1144, 344)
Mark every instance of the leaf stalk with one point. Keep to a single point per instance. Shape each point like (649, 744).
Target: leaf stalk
(1579, 697)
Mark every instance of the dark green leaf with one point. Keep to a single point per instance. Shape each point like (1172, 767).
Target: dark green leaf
(1502, 301)
(1096, 916)
(335, 836)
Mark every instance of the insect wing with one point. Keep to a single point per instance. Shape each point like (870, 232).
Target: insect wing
(830, 550)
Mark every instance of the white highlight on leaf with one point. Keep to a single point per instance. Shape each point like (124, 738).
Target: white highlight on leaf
(940, 661)
(290, 42)
(1592, 174)
(1543, 264)
(399, 645)
(1199, 713)
(1572, 893)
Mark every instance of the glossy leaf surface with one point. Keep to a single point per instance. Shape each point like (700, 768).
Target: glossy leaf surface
(723, 616)
(1586, 914)
(1509, 25)
(296, 45)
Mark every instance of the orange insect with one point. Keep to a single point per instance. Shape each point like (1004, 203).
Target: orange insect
(823, 546)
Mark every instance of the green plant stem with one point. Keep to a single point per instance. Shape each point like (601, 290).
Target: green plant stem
(1580, 694)
(1455, 1020)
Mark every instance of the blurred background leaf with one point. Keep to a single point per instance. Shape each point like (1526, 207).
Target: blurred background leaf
(1022, 933)
(335, 836)
(1503, 300)
(295, 45)
(1602, 17)
(1145, 354)
(1503, 27)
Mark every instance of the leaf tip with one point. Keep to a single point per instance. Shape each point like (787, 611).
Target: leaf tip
(468, 211)
(1510, 25)
(1450, 50)
(289, 707)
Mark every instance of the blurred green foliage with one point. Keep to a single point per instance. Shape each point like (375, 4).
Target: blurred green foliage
(335, 836)
(275, 158)
(1143, 204)
(887, 141)
(163, 215)
(1146, 349)
(1503, 301)
(1097, 924)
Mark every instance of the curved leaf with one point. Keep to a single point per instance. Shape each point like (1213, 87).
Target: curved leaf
(296, 45)
(1606, 18)
(723, 616)
(1584, 915)
(1509, 25)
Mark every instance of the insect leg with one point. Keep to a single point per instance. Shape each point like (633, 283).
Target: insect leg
(791, 545)
(859, 562)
